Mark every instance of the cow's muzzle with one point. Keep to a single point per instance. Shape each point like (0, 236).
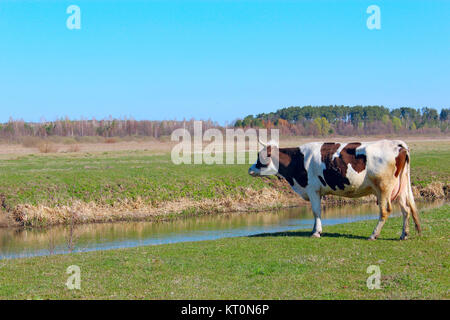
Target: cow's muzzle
(254, 172)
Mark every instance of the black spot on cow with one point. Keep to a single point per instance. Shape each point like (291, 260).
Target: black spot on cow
(292, 166)
(265, 157)
(323, 181)
(335, 172)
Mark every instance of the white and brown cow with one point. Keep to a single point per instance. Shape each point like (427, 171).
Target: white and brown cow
(345, 169)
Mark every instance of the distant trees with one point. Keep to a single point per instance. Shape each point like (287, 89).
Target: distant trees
(104, 128)
(444, 116)
(323, 126)
(396, 123)
(346, 120)
(303, 121)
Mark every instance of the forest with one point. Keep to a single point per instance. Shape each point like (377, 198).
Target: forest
(346, 120)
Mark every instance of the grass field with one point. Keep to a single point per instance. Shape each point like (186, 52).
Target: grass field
(121, 182)
(107, 177)
(289, 265)
(430, 163)
(143, 178)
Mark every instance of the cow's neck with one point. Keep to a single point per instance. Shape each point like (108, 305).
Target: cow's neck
(291, 166)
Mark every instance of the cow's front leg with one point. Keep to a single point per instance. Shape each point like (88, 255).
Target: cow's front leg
(315, 200)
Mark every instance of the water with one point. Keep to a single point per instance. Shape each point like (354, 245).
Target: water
(17, 243)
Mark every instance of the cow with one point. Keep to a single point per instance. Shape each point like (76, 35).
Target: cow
(351, 170)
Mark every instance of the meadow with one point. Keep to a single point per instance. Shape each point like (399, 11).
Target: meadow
(42, 189)
(288, 265)
(96, 185)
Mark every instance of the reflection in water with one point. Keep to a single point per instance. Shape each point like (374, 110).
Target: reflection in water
(15, 243)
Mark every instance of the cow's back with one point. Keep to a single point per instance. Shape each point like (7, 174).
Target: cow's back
(349, 168)
(381, 156)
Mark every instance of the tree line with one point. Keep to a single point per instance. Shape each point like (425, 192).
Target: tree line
(302, 121)
(346, 120)
(104, 128)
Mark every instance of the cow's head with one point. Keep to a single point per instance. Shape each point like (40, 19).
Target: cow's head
(267, 162)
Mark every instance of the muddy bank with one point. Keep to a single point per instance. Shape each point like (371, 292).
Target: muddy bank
(278, 195)
(81, 212)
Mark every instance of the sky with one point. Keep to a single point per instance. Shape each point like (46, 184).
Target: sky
(218, 60)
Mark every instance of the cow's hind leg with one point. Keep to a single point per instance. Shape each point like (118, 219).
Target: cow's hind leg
(384, 203)
(317, 210)
(406, 211)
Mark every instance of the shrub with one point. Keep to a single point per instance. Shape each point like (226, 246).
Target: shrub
(74, 148)
(47, 147)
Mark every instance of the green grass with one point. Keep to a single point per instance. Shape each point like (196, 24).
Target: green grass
(430, 166)
(288, 265)
(107, 177)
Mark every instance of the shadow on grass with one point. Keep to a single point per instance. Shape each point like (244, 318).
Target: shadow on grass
(307, 234)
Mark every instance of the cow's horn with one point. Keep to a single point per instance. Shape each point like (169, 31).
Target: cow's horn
(264, 144)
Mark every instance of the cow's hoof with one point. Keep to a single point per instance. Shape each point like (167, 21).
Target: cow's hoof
(315, 235)
(372, 238)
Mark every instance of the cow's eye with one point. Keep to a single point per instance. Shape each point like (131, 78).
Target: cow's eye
(263, 162)
(259, 165)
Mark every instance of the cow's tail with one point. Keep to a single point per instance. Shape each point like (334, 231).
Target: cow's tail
(404, 183)
(410, 201)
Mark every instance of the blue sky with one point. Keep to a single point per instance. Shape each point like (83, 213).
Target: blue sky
(218, 59)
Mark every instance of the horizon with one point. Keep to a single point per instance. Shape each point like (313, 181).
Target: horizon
(226, 123)
(155, 60)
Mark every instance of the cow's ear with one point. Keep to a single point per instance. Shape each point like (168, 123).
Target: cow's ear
(269, 151)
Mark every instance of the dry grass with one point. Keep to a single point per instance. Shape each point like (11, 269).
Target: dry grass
(111, 140)
(123, 210)
(31, 142)
(47, 147)
(11, 151)
(435, 190)
(74, 148)
(99, 144)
